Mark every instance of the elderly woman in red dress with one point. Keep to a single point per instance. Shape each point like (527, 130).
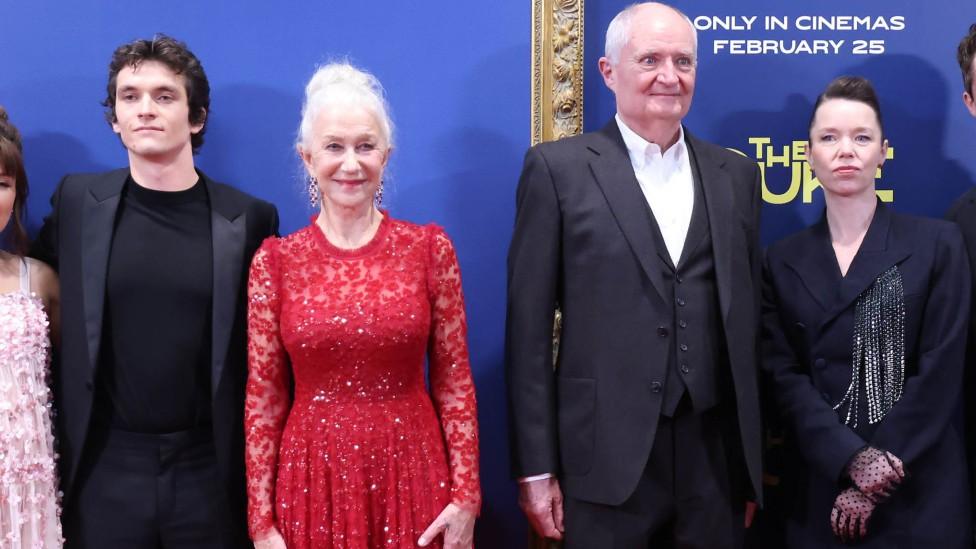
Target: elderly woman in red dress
(346, 446)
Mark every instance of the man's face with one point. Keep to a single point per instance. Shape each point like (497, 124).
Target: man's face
(969, 96)
(152, 111)
(654, 78)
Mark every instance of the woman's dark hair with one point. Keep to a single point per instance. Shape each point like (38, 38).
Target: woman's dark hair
(12, 162)
(175, 55)
(852, 88)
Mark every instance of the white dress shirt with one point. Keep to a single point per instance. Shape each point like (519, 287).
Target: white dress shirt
(665, 179)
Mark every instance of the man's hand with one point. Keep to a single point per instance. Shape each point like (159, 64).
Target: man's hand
(542, 502)
(750, 513)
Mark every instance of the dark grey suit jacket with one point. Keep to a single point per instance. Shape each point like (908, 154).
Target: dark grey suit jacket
(583, 242)
(76, 239)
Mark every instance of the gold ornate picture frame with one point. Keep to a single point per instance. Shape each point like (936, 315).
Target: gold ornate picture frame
(557, 69)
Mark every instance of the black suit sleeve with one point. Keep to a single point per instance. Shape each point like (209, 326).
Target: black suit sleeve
(918, 420)
(825, 443)
(533, 278)
(963, 214)
(755, 247)
(45, 246)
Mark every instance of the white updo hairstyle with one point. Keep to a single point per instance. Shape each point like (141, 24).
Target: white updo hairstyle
(342, 84)
(618, 32)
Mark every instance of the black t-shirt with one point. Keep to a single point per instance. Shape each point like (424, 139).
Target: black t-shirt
(155, 371)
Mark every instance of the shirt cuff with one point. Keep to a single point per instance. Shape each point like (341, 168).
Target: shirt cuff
(534, 478)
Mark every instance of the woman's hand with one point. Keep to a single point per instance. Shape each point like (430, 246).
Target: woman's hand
(850, 515)
(270, 540)
(457, 525)
(876, 473)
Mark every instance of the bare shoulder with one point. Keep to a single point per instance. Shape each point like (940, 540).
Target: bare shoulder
(44, 280)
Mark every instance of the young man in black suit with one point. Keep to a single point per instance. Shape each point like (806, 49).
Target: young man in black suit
(153, 260)
(963, 212)
(646, 239)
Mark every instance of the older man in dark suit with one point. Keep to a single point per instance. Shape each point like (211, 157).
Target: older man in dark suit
(153, 260)
(646, 239)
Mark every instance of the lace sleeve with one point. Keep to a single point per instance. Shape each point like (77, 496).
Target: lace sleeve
(451, 384)
(267, 398)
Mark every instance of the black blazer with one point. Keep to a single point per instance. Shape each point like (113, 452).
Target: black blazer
(583, 242)
(963, 212)
(808, 320)
(76, 238)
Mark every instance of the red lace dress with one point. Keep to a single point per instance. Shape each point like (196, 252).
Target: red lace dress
(359, 456)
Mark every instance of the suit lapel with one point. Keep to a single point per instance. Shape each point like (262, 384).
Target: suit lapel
(699, 225)
(717, 190)
(815, 264)
(228, 230)
(614, 174)
(874, 257)
(100, 207)
(813, 261)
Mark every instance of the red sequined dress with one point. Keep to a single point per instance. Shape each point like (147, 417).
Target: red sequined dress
(360, 456)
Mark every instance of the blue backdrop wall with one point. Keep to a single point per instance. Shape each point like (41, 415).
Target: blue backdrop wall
(457, 74)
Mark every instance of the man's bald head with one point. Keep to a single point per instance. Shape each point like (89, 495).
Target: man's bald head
(619, 30)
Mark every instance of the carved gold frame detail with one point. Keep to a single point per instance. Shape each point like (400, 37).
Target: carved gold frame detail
(557, 69)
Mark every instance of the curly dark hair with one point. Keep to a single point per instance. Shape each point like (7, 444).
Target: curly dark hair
(965, 55)
(179, 59)
(853, 88)
(12, 163)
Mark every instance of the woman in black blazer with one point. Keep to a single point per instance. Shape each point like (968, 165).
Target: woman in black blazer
(864, 334)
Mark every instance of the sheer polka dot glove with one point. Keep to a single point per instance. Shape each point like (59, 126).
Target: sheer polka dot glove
(849, 517)
(876, 473)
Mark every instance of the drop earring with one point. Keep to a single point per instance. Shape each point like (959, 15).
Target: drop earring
(378, 196)
(314, 195)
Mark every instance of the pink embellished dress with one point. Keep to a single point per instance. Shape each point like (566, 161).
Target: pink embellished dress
(345, 445)
(29, 509)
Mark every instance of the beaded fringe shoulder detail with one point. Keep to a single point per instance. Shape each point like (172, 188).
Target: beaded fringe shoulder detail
(878, 356)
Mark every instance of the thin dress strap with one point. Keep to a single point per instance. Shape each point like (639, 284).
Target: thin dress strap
(25, 276)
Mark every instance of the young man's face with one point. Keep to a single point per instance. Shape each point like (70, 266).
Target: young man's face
(969, 96)
(152, 112)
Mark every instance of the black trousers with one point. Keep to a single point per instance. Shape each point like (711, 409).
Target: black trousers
(146, 491)
(690, 495)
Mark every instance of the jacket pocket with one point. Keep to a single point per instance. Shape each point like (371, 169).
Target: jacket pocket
(577, 410)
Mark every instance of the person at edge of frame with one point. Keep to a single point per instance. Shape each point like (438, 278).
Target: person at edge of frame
(963, 212)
